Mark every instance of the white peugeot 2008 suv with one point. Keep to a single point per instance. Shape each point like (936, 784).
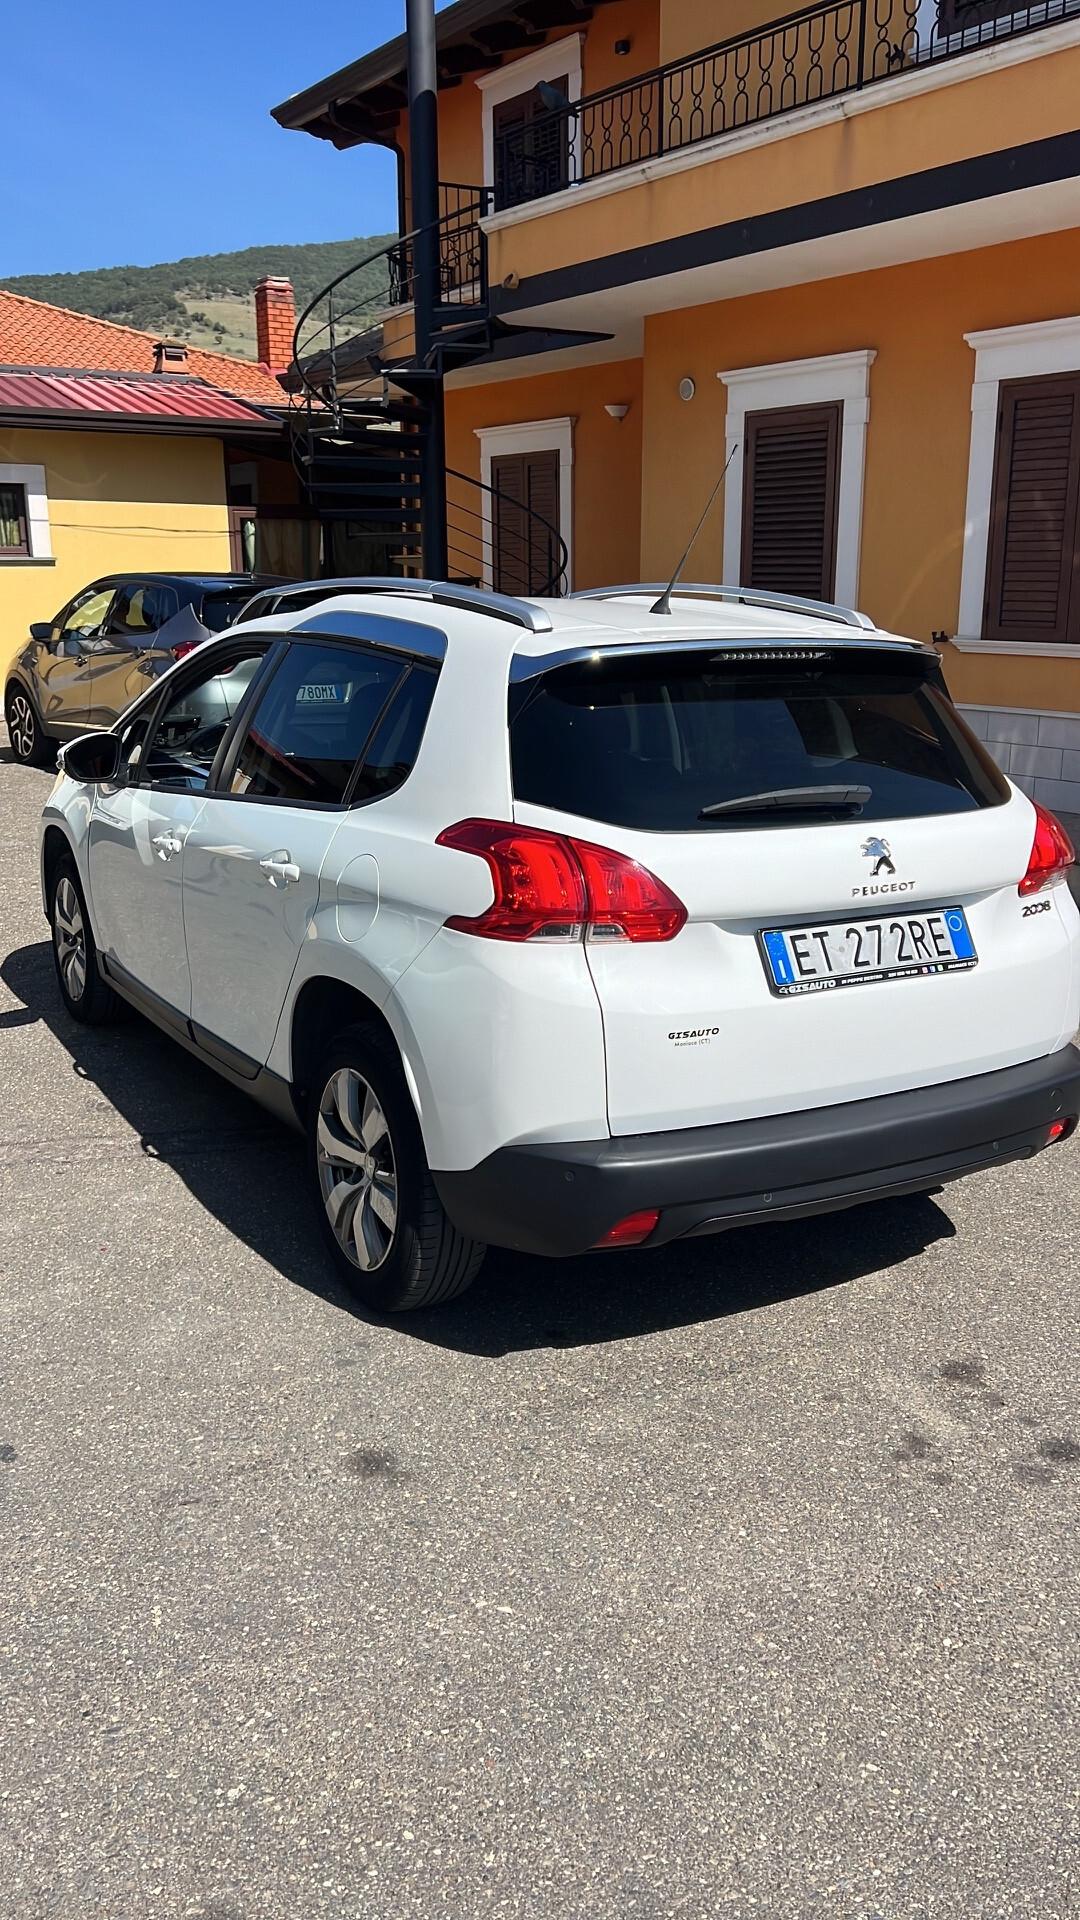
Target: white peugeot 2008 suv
(576, 924)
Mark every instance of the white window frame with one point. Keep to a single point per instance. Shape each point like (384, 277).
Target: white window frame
(529, 436)
(520, 76)
(38, 534)
(1002, 353)
(803, 383)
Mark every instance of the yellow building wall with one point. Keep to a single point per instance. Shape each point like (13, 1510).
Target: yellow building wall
(117, 502)
(607, 454)
(917, 446)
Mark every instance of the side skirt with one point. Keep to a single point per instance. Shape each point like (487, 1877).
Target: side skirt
(269, 1089)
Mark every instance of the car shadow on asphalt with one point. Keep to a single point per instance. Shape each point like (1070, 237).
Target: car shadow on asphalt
(248, 1171)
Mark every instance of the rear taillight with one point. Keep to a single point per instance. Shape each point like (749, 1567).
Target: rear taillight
(183, 647)
(548, 886)
(1052, 853)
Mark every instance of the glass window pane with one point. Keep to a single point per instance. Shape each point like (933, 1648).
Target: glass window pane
(311, 725)
(131, 610)
(396, 742)
(219, 610)
(87, 617)
(195, 721)
(13, 529)
(661, 742)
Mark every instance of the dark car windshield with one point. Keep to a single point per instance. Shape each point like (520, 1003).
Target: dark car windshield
(662, 741)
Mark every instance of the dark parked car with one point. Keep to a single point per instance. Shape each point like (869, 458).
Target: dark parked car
(102, 650)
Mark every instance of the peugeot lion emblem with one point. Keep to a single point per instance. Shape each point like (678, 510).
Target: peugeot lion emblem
(880, 853)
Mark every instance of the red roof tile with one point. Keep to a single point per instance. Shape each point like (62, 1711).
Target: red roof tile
(159, 397)
(34, 334)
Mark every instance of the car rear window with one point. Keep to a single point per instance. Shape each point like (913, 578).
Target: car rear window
(221, 608)
(663, 741)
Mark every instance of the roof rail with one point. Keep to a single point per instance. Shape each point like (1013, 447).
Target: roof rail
(748, 596)
(442, 593)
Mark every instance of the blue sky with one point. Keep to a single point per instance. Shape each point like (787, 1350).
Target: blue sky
(144, 130)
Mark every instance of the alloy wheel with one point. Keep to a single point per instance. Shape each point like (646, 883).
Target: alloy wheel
(69, 932)
(21, 725)
(357, 1169)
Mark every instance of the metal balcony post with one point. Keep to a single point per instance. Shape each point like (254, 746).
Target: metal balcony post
(424, 173)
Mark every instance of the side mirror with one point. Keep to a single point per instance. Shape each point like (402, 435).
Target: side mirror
(41, 630)
(93, 758)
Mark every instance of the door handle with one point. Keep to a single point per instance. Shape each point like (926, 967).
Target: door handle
(280, 868)
(166, 844)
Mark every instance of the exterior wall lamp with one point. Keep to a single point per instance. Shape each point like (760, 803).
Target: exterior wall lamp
(616, 410)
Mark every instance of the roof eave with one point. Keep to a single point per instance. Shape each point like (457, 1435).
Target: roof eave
(166, 423)
(339, 108)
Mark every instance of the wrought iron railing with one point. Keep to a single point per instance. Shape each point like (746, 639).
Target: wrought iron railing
(462, 249)
(836, 47)
(359, 393)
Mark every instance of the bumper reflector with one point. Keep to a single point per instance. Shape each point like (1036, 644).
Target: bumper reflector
(1060, 1130)
(630, 1232)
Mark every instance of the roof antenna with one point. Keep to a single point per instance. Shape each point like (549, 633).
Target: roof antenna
(663, 605)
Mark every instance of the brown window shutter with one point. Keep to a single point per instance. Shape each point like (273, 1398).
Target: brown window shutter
(525, 521)
(1033, 557)
(791, 471)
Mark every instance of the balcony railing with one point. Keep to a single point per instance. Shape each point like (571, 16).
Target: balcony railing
(462, 249)
(818, 53)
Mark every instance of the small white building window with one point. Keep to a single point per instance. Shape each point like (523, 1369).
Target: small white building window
(24, 514)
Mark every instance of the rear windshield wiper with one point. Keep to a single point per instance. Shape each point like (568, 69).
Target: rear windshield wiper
(792, 800)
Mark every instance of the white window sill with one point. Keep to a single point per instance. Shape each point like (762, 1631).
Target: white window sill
(1023, 649)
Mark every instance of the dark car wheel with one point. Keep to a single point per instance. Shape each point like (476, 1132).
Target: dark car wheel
(86, 995)
(29, 742)
(386, 1229)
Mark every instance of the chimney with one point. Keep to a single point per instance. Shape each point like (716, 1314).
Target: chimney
(170, 356)
(275, 319)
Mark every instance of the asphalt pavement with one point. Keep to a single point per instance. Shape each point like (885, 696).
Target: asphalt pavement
(736, 1578)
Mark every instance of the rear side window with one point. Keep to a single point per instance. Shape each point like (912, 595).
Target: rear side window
(396, 741)
(312, 723)
(664, 742)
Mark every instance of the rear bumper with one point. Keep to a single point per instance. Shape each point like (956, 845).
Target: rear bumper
(561, 1199)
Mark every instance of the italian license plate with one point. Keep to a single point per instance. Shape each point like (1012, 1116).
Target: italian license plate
(854, 953)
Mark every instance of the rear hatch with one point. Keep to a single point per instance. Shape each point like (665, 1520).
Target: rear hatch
(848, 857)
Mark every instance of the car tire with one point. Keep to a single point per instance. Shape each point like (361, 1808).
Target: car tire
(388, 1234)
(29, 742)
(85, 993)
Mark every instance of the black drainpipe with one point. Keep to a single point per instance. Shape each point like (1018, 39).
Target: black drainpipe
(424, 174)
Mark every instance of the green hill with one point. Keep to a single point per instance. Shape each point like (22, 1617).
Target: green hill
(205, 298)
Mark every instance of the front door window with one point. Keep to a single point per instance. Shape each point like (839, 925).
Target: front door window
(194, 722)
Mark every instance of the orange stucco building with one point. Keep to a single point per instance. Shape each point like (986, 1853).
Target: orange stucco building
(839, 251)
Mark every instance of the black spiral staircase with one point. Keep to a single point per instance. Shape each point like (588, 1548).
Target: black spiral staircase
(363, 402)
